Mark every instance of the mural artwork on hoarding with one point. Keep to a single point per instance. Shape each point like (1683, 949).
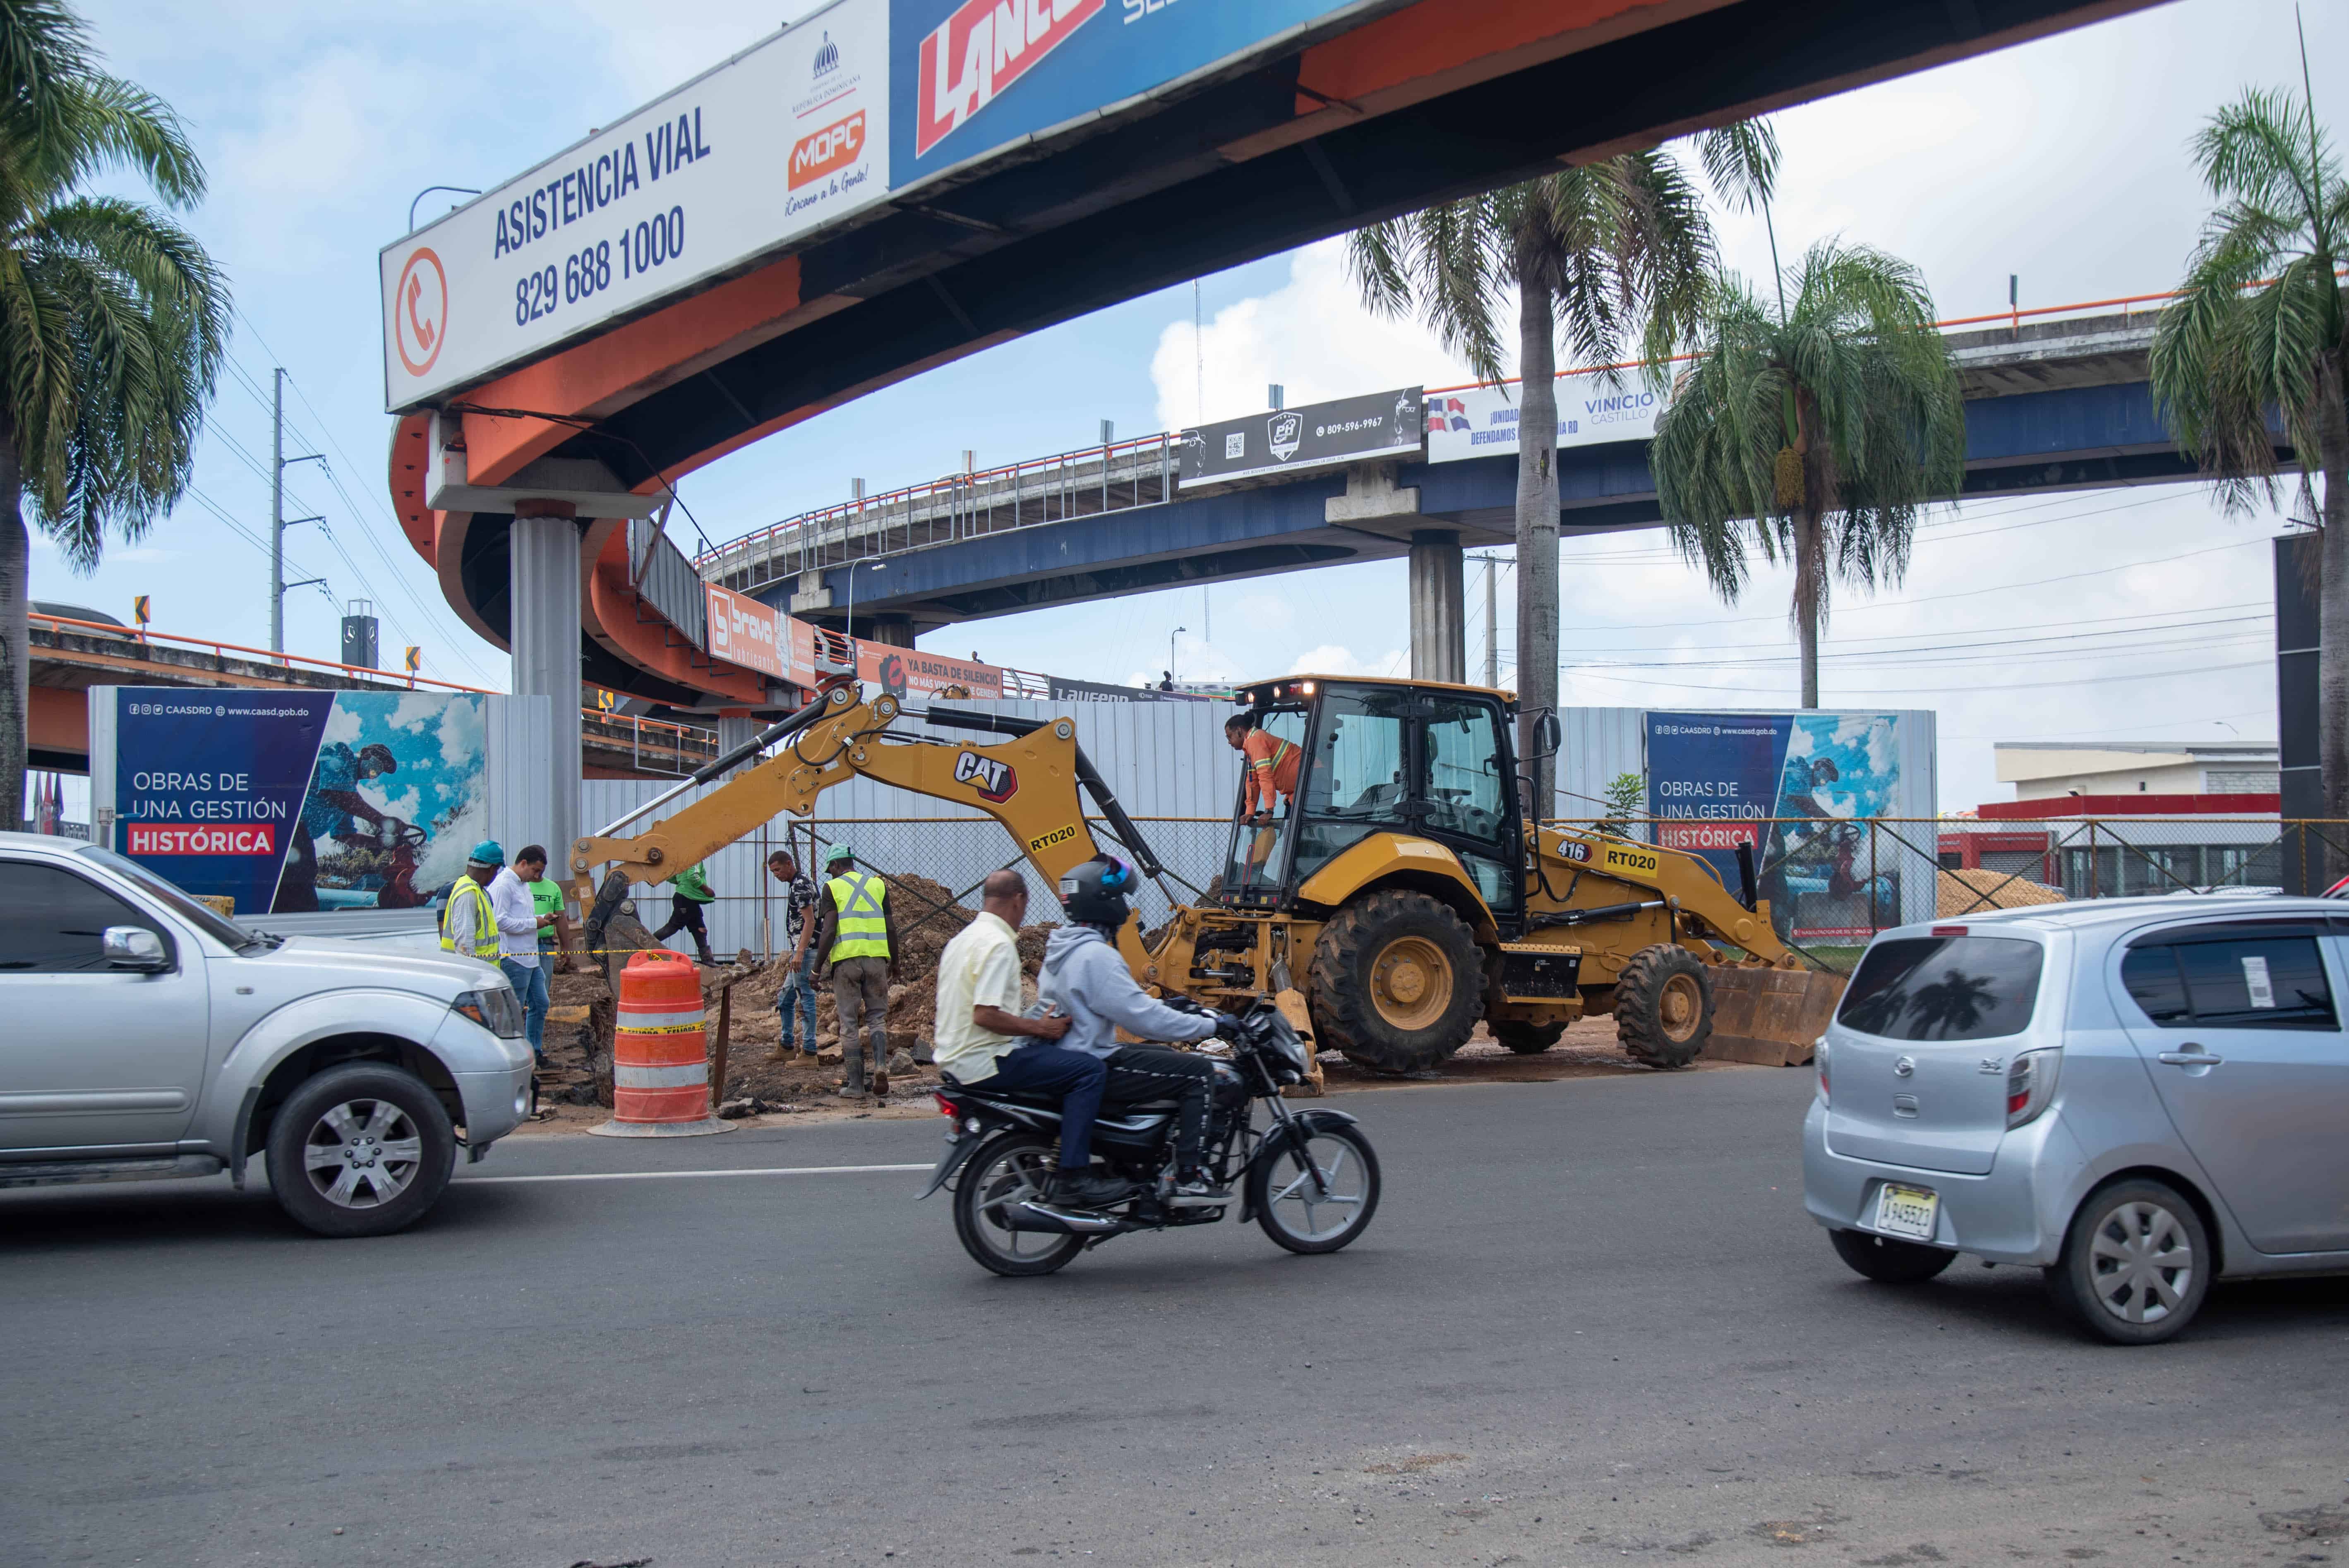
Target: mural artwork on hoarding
(1799, 788)
(290, 802)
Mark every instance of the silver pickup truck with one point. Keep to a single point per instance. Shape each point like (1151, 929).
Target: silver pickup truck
(143, 1036)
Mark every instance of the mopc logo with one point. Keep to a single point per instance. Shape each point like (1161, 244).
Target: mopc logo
(982, 48)
(836, 146)
(994, 779)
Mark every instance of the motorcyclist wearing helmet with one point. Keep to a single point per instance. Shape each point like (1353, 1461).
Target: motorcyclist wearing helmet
(1086, 977)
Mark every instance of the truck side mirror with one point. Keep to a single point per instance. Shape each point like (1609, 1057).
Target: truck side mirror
(134, 947)
(1548, 736)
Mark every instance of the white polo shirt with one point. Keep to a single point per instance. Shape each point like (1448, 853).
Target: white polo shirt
(979, 968)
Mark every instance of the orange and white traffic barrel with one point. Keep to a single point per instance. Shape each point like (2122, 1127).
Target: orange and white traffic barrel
(660, 1052)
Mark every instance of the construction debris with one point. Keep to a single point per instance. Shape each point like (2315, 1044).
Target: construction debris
(1967, 891)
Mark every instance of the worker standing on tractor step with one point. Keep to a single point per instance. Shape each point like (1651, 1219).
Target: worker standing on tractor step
(859, 942)
(1272, 766)
(692, 891)
(468, 924)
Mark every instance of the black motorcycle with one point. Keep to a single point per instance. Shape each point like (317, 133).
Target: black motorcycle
(1310, 1178)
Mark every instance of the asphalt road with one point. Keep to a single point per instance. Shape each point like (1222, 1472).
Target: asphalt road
(1591, 1324)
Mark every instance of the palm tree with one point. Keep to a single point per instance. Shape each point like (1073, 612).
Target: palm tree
(112, 322)
(1591, 249)
(1827, 425)
(2259, 334)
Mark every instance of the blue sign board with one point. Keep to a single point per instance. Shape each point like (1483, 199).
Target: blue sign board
(966, 77)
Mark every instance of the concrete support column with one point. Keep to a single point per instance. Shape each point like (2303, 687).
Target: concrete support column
(1439, 644)
(543, 629)
(897, 631)
(735, 726)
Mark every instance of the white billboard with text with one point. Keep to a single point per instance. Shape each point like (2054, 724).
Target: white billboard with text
(1482, 421)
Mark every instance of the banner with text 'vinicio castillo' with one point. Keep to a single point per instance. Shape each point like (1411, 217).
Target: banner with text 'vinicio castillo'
(1799, 788)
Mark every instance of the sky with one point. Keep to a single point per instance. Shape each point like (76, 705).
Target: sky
(2138, 614)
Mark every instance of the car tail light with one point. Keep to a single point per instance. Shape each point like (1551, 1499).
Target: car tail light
(1819, 1055)
(1948, 931)
(2031, 1085)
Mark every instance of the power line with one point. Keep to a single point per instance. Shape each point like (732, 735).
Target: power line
(1940, 691)
(2015, 626)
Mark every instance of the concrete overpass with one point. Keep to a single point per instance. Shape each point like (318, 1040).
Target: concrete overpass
(2051, 405)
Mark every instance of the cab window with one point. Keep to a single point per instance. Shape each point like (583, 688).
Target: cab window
(1356, 781)
(1464, 786)
(54, 922)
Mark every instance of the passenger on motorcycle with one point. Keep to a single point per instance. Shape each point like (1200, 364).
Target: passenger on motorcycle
(983, 1042)
(1086, 977)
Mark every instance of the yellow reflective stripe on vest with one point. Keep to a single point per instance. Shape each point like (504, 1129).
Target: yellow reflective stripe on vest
(485, 919)
(864, 931)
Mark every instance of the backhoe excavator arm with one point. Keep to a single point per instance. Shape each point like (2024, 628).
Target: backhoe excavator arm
(1029, 783)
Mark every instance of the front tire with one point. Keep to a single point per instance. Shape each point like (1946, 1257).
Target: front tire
(1889, 1262)
(1396, 982)
(1008, 1169)
(1663, 1007)
(1302, 1216)
(362, 1149)
(2136, 1263)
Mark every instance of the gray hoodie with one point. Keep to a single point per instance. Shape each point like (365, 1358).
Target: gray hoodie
(1083, 973)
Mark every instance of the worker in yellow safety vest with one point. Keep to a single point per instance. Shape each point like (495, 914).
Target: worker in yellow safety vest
(468, 924)
(858, 939)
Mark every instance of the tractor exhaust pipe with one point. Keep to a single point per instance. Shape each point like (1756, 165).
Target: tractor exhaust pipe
(1749, 891)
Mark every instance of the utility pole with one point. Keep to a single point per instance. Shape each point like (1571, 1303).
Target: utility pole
(1492, 623)
(278, 522)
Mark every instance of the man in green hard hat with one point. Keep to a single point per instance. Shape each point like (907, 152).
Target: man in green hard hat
(858, 939)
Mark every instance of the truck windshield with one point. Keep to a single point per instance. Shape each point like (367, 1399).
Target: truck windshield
(219, 927)
(1943, 988)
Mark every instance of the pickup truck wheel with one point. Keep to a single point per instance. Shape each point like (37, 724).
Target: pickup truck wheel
(360, 1150)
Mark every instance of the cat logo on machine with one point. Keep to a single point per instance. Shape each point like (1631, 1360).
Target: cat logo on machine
(1636, 863)
(1060, 835)
(993, 779)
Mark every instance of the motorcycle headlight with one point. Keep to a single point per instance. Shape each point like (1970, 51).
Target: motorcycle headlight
(495, 1008)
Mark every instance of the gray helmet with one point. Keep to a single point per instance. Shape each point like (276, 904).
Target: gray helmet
(1094, 893)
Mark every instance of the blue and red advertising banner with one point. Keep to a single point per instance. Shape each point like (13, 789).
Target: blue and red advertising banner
(1798, 788)
(966, 77)
(294, 802)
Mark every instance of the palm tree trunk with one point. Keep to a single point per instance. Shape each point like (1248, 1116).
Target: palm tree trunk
(2332, 601)
(15, 642)
(1810, 546)
(1536, 529)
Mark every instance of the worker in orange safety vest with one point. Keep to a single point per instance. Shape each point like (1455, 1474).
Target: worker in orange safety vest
(1272, 766)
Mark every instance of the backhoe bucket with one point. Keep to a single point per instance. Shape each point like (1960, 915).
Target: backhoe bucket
(1770, 1016)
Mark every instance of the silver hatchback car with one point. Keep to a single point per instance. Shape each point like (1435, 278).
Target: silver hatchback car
(2135, 1096)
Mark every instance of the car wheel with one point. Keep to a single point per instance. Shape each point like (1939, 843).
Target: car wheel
(360, 1150)
(2136, 1263)
(1889, 1262)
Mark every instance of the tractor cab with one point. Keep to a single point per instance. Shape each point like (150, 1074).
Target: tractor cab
(1344, 758)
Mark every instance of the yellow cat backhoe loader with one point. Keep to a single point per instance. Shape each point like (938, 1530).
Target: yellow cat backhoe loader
(1396, 896)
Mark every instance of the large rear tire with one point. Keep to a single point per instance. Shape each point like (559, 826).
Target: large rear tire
(1663, 1007)
(1396, 982)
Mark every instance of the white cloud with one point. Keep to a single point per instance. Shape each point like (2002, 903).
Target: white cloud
(1337, 659)
(343, 725)
(461, 731)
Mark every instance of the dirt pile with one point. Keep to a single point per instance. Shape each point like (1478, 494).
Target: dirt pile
(1966, 891)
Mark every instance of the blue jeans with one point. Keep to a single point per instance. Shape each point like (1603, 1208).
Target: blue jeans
(1039, 1068)
(803, 990)
(529, 983)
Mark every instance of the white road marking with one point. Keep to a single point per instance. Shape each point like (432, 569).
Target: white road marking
(675, 1175)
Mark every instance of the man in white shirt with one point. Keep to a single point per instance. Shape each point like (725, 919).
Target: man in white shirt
(979, 1032)
(518, 926)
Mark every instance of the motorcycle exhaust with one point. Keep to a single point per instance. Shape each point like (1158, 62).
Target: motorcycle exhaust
(1035, 1215)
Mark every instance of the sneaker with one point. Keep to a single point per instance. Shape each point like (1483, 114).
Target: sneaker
(1195, 1192)
(1089, 1189)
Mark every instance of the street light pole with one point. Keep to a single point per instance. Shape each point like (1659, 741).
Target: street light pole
(1170, 651)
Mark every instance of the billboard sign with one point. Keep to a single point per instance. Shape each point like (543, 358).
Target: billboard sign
(1482, 421)
(967, 76)
(1798, 787)
(744, 632)
(788, 136)
(1064, 690)
(294, 802)
(1295, 440)
(909, 671)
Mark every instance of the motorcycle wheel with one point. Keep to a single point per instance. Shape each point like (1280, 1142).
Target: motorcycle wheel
(1007, 1170)
(1300, 1217)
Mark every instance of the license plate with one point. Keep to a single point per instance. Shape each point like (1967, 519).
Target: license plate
(1907, 1211)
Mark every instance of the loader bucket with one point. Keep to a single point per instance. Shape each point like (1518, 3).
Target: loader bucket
(1770, 1016)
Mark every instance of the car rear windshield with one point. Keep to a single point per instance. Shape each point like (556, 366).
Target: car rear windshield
(1943, 988)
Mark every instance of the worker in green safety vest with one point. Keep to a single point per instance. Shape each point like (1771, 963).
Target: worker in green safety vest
(858, 939)
(468, 924)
